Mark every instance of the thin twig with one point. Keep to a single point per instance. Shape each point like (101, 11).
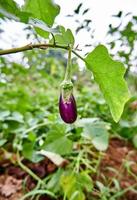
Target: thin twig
(38, 46)
(26, 169)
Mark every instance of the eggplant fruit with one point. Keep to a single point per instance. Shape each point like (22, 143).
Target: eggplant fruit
(68, 109)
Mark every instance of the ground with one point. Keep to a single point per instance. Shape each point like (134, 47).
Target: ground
(119, 163)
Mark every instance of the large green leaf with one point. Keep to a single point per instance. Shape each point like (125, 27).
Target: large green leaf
(96, 131)
(44, 10)
(57, 142)
(109, 74)
(60, 146)
(98, 135)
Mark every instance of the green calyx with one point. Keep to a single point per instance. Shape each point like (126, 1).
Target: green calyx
(66, 89)
(66, 85)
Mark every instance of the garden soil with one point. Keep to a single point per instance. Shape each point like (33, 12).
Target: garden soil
(119, 162)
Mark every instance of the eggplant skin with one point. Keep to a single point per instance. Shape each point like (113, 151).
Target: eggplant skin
(68, 109)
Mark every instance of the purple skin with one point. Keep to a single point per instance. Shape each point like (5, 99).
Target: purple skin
(68, 109)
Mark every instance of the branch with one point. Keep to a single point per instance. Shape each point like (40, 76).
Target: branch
(37, 46)
(26, 169)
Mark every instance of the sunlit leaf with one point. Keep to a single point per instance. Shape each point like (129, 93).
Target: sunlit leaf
(61, 146)
(109, 74)
(56, 140)
(96, 131)
(65, 37)
(45, 11)
(71, 188)
(2, 142)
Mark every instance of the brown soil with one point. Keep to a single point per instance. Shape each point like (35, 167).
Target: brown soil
(119, 162)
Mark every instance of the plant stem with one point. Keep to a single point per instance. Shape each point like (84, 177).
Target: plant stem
(68, 69)
(26, 169)
(122, 192)
(37, 46)
(79, 56)
(38, 192)
(34, 127)
(30, 47)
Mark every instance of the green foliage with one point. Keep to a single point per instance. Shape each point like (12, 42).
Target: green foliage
(40, 24)
(11, 10)
(109, 75)
(65, 37)
(9, 7)
(53, 183)
(56, 140)
(96, 131)
(45, 11)
(74, 184)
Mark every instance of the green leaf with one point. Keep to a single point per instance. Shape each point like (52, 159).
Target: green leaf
(109, 74)
(85, 181)
(96, 131)
(74, 184)
(2, 142)
(11, 10)
(53, 185)
(65, 37)
(16, 116)
(71, 187)
(56, 140)
(31, 137)
(28, 148)
(78, 195)
(40, 24)
(98, 135)
(4, 115)
(9, 7)
(42, 10)
(101, 140)
(68, 183)
(30, 153)
(60, 146)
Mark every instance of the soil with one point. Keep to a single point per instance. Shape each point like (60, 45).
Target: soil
(119, 162)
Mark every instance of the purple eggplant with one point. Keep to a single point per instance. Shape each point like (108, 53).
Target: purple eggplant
(68, 109)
